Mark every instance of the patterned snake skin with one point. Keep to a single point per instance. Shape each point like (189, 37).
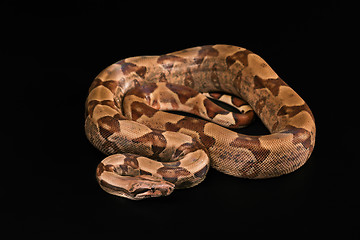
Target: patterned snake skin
(152, 151)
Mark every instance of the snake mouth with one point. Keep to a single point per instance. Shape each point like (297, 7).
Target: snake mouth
(142, 191)
(156, 191)
(138, 192)
(147, 193)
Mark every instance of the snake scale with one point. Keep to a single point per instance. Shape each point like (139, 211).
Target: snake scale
(153, 151)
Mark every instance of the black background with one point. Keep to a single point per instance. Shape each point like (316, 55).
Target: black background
(54, 50)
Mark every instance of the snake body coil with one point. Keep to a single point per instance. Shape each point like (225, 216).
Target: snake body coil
(152, 151)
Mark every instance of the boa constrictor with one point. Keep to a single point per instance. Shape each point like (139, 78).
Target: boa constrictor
(153, 151)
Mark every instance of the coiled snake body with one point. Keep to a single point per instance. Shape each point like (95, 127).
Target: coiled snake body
(152, 151)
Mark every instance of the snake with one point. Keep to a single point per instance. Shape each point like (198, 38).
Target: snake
(152, 150)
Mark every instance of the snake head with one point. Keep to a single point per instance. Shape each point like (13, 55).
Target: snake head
(150, 187)
(134, 187)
